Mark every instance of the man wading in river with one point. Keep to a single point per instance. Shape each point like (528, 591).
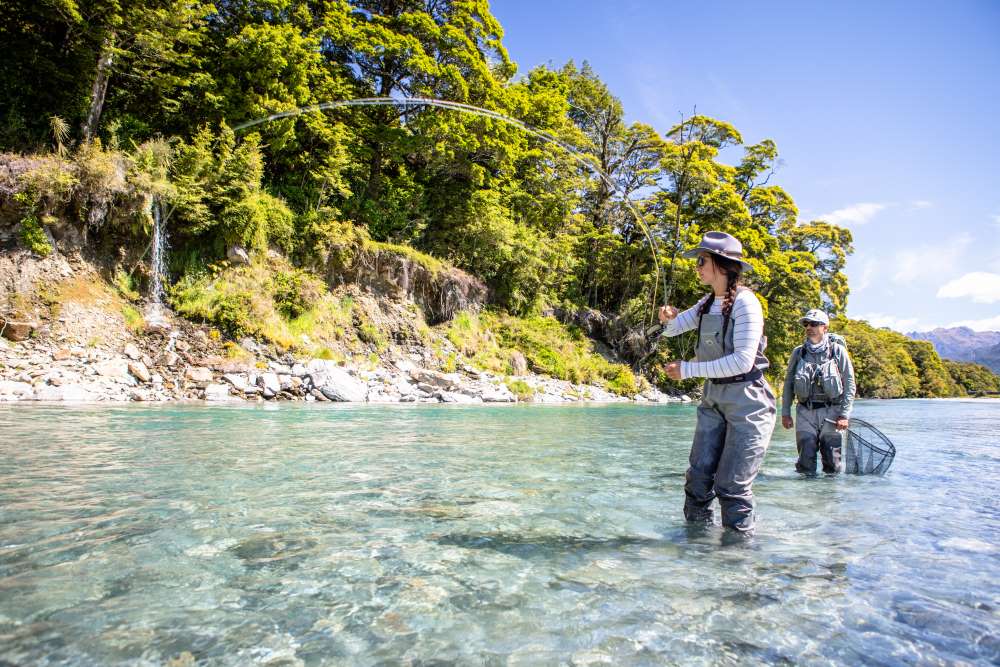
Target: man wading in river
(736, 415)
(821, 377)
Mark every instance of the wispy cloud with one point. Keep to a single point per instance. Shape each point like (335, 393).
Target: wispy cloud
(901, 324)
(921, 203)
(928, 260)
(868, 268)
(987, 324)
(855, 214)
(980, 286)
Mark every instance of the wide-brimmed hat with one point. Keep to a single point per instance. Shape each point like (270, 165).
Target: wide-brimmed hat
(721, 244)
(815, 315)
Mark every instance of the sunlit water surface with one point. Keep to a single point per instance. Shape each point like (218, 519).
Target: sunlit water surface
(314, 535)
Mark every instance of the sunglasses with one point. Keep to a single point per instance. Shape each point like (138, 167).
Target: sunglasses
(701, 261)
(810, 323)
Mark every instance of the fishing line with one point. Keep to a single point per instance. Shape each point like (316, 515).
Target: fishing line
(577, 155)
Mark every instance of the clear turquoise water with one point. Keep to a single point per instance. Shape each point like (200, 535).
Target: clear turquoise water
(421, 535)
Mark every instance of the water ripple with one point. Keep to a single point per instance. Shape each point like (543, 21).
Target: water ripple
(315, 535)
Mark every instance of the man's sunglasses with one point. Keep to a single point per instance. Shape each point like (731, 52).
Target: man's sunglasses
(810, 323)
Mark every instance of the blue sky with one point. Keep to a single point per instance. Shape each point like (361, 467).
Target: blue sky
(886, 116)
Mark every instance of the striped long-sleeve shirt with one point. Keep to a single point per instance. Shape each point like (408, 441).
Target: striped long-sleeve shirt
(747, 320)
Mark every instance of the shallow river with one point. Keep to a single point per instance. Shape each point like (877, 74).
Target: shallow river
(315, 535)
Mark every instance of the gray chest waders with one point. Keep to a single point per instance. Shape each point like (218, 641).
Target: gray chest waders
(735, 421)
(816, 426)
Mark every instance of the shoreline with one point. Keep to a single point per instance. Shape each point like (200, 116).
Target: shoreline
(185, 369)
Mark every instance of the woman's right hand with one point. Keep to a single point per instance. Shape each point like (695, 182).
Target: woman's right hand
(667, 313)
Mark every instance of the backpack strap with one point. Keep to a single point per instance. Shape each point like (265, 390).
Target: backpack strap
(704, 309)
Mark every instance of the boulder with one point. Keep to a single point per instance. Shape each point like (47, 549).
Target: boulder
(228, 365)
(132, 352)
(69, 392)
(434, 378)
(17, 330)
(61, 354)
(518, 363)
(198, 374)
(15, 390)
(269, 383)
(239, 382)
(112, 368)
(455, 397)
(139, 370)
(404, 388)
(218, 392)
(383, 395)
(237, 254)
(547, 398)
(338, 385)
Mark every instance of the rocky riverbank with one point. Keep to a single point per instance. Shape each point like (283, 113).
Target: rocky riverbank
(69, 334)
(181, 366)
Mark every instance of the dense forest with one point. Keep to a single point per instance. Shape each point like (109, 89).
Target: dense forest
(148, 93)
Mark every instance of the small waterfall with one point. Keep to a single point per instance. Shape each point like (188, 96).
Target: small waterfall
(156, 316)
(158, 263)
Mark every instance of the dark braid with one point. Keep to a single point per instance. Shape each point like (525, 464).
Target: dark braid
(732, 270)
(732, 280)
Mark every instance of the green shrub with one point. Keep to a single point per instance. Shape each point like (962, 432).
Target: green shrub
(49, 185)
(551, 348)
(234, 314)
(622, 381)
(34, 237)
(516, 261)
(328, 354)
(133, 318)
(368, 333)
(433, 265)
(218, 197)
(521, 389)
(272, 301)
(125, 284)
(295, 292)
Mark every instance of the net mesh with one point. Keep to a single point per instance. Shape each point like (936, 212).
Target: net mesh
(868, 451)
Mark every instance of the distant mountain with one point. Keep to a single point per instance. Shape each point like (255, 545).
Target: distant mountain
(964, 344)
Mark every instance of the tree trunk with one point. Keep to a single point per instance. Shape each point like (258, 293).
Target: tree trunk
(89, 128)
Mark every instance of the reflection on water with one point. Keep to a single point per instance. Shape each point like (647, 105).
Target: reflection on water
(481, 535)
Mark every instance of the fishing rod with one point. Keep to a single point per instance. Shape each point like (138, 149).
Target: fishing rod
(577, 155)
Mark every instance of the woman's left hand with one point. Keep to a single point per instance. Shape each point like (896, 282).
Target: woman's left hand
(673, 370)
